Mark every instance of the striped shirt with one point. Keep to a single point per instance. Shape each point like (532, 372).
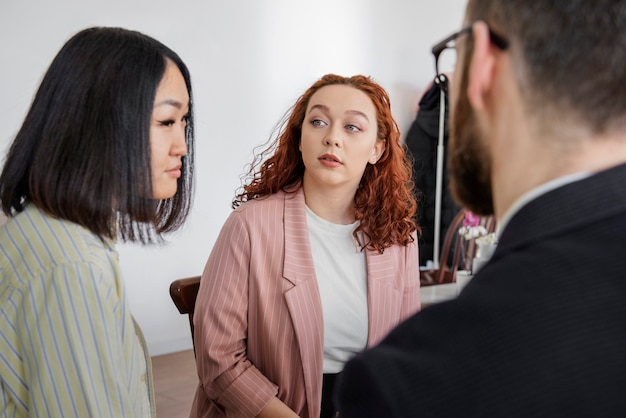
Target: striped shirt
(68, 344)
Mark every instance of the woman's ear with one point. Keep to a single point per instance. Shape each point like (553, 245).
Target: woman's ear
(377, 151)
(482, 66)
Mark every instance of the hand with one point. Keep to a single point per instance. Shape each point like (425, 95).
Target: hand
(277, 409)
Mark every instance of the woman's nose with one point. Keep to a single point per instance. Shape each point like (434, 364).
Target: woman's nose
(179, 146)
(332, 138)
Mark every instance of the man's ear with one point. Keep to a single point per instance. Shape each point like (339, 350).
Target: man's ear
(482, 66)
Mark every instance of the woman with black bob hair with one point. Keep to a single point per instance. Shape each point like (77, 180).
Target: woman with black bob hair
(105, 153)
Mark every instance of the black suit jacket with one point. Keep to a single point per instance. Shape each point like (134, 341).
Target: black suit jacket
(539, 332)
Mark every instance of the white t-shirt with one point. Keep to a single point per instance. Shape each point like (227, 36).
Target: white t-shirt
(341, 271)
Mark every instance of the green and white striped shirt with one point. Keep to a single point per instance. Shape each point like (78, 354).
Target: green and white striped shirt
(69, 346)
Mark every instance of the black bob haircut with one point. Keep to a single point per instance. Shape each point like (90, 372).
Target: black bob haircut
(83, 151)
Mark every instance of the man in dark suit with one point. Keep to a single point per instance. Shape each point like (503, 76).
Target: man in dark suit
(538, 138)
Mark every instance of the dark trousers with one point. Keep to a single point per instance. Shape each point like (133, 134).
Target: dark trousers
(328, 386)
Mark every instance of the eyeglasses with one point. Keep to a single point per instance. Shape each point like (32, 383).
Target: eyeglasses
(449, 62)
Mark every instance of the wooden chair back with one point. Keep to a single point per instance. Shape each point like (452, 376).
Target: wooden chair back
(184, 292)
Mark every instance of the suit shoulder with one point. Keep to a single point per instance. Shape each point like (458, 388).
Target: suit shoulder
(273, 202)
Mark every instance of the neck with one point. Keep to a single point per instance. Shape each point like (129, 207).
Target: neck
(539, 159)
(335, 205)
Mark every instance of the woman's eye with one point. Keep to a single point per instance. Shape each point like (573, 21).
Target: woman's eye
(318, 122)
(352, 128)
(168, 122)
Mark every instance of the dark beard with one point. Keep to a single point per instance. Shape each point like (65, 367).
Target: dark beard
(469, 162)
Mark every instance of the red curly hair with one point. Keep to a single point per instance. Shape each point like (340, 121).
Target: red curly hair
(384, 202)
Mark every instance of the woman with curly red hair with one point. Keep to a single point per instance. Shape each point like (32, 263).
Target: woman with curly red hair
(318, 260)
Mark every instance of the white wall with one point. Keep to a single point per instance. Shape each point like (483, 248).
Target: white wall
(249, 61)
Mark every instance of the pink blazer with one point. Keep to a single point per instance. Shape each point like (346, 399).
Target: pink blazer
(258, 320)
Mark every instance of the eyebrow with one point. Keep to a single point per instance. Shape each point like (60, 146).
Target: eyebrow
(170, 102)
(353, 112)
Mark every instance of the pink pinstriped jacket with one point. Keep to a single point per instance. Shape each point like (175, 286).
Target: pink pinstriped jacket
(258, 320)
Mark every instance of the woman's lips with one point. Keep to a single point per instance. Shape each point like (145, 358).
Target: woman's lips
(330, 160)
(175, 172)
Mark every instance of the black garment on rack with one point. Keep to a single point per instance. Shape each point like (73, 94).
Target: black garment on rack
(421, 142)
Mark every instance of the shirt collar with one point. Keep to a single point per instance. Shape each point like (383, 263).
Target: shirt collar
(535, 193)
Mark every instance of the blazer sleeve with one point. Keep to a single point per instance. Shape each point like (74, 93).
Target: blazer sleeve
(227, 376)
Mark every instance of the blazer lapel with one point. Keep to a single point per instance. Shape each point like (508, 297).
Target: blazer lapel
(384, 298)
(302, 295)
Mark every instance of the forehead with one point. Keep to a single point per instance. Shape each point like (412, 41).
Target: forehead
(341, 98)
(172, 85)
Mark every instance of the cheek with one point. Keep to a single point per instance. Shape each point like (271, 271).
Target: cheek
(305, 146)
(158, 149)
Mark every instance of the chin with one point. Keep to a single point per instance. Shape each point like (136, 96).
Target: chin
(163, 194)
